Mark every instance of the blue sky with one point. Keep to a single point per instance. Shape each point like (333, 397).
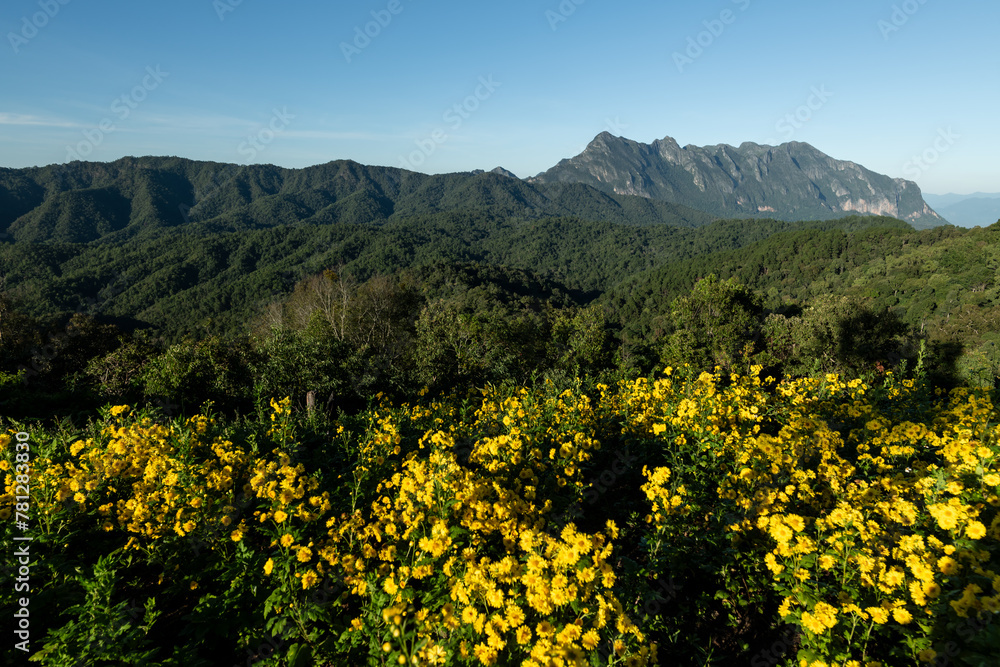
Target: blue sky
(908, 89)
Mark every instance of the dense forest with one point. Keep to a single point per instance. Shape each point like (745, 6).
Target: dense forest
(368, 419)
(446, 300)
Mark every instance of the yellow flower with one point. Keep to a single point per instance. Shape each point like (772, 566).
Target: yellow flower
(927, 655)
(901, 616)
(280, 516)
(785, 608)
(878, 614)
(946, 515)
(469, 615)
(269, 566)
(795, 522)
(515, 616)
(975, 530)
(287, 540)
(781, 533)
(118, 409)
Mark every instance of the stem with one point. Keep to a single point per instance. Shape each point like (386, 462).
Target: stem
(853, 626)
(864, 650)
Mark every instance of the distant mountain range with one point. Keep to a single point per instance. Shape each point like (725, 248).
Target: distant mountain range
(979, 209)
(793, 181)
(111, 202)
(613, 180)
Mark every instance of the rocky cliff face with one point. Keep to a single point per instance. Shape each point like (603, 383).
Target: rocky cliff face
(793, 181)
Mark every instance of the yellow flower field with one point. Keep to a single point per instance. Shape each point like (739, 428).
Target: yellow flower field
(688, 519)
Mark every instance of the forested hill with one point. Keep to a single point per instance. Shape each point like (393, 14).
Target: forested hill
(939, 282)
(110, 202)
(180, 283)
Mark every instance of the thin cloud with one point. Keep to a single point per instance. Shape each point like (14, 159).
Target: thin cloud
(37, 121)
(339, 136)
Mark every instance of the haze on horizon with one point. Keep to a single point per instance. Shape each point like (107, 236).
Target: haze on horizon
(900, 87)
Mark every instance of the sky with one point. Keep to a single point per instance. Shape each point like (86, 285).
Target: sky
(905, 88)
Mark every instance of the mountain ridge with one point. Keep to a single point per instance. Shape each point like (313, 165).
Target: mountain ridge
(113, 201)
(791, 181)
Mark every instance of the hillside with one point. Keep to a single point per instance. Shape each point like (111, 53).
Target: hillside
(940, 283)
(111, 202)
(184, 281)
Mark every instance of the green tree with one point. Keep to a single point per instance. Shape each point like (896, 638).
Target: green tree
(717, 324)
(839, 334)
(290, 362)
(18, 335)
(580, 340)
(215, 369)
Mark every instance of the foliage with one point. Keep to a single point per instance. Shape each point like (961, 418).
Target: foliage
(718, 324)
(192, 374)
(680, 519)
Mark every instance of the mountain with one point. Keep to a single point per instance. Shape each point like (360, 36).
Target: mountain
(495, 170)
(980, 209)
(793, 181)
(110, 202)
(940, 201)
